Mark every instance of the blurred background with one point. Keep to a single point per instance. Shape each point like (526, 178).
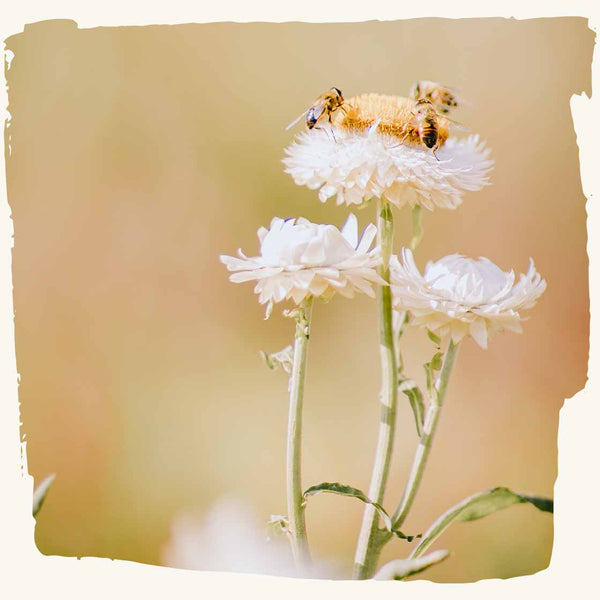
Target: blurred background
(139, 154)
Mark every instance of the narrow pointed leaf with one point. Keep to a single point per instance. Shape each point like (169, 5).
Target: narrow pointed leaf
(541, 503)
(435, 364)
(346, 490)
(476, 507)
(429, 377)
(434, 338)
(400, 320)
(278, 524)
(283, 359)
(410, 389)
(40, 493)
(436, 361)
(402, 568)
(270, 364)
(403, 536)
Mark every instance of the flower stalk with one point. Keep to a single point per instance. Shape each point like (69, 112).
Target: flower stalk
(421, 455)
(431, 421)
(295, 500)
(369, 538)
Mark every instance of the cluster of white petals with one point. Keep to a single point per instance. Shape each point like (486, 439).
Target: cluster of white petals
(355, 167)
(299, 258)
(461, 296)
(231, 537)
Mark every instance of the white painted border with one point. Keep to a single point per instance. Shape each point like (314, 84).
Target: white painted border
(25, 573)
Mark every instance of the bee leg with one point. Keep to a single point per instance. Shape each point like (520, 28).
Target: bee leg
(405, 135)
(332, 132)
(401, 141)
(327, 131)
(434, 150)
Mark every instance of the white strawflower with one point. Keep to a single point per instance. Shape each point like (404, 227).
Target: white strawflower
(462, 296)
(231, 537)
(356, 166)
(299, 258)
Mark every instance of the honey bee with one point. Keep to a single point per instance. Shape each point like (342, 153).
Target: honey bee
(426, 122)
(324, 105)
(442, 98)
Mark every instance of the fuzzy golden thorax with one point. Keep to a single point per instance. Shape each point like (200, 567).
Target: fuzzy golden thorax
(396, 116)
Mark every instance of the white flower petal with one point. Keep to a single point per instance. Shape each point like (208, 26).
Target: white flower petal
(478, 331)
(367, 238)
(260, 273)
(358, 166)
(299, 258)
(462, 296)
(350, 230)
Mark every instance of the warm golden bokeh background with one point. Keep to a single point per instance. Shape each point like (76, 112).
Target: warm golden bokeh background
(141, 153)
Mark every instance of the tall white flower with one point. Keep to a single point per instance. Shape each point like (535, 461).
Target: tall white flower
(231, 537)
(462, 296)
(355, 166)
(299, 258)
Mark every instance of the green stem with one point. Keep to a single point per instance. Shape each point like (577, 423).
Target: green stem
(297, 525)
(424, 447)
(369, 538)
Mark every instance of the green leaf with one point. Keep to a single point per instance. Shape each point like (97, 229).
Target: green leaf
(40, 493)
(278, 524)
(410, 389)
(283, 359)
(400, 321)
(434, 338)
(269, 362)
(428, 378)
(346, 490)
(476, 507)
(435, 364)
(403, 568)
(417, 225)
(541, 503)
(403, 536)
(436, 361)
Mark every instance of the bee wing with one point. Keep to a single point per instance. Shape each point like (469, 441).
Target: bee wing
(414, 121)
(412, 92)
(456, 124)
(450, 88)
(458, 97)
(464, 103)
(297, 119)
(316, 110)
